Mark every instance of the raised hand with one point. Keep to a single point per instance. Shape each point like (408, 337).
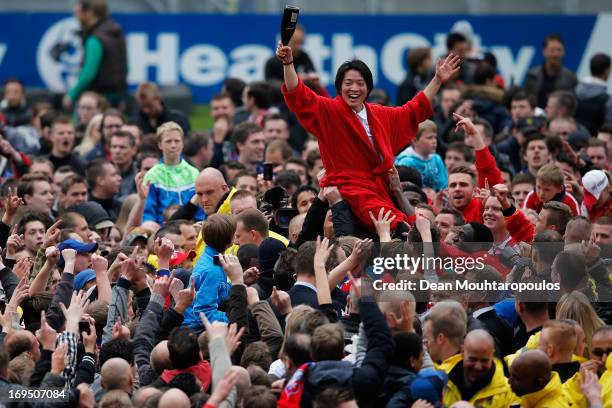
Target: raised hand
(52, 235)
(383, 224)
(284, 53)
(142, 188)
(332, 195)
(215, 329)
(23, 267)
(232, 338)
(46, 335)
(89, 340)
(184, 298)
(14, 244)
(99, 264)
(78, 304)
(162, 285)
(164, 249)
(251, 276)
(591, 388)
(59, 359)
(233, 269)
(281, 300)
(465, 124)
(394, 181)
(323, 249)
(361, 252)
(120, 331)
(11, 205)
(447, 68)
(501, 192)
(225, 386)
(591, 250)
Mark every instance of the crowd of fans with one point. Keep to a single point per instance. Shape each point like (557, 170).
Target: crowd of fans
(146, 264)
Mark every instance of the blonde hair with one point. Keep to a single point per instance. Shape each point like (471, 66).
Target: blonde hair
(426, 125)
(89, 141)
(550, 174)
(576, 306)
(293, 321)
(167, 127)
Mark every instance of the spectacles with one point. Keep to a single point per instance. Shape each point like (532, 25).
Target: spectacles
(601, 352)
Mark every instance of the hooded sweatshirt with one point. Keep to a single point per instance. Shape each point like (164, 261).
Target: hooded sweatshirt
(432, 169)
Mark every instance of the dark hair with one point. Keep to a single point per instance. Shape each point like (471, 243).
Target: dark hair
(488, 129)
(234, 87)
(242, 132)
(128, 135)
(72, 180)
(453, 39)
(287, 179)
(571, 268)
(558, 214)
(14, 80)
(333, 397)
(522, 96)
(553, 37)
(565, 100)
(34, 216)
(462, 148)
(259, 396)
(275, 116)
(196, 141)
(407, 345)
(358, 66)
(599, 64)
(256, 353)
(260, 92)
(95, 170)
(4, 358)
(297, 348)
(120, 348)
(26, 184)
(99, 8)
(531, 138)
(300, 190)
(483, 74)
(185, 382)
(410, 174)
(303, 261)
(416, 56)
(219, 231)
(458, 215)
(284, 270)
(220, 96)
(169, 228)
(254, 220)
(183, 348)
(548, 244)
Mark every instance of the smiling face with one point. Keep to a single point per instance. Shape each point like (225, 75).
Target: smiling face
(460, 190)
(354, 90)
(493, 217)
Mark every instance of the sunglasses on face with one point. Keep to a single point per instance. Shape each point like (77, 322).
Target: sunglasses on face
(601, 352)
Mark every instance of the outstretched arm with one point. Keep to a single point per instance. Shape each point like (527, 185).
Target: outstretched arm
(285, 55)
(445, 70)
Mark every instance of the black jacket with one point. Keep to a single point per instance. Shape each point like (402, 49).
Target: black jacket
(112, 73)
(502, 333)
(167, 115)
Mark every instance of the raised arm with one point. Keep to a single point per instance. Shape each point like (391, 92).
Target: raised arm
(285, 55)
(445, 70)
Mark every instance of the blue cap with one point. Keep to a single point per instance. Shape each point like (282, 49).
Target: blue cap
(82, 278)
(429, 385)
(78, 246)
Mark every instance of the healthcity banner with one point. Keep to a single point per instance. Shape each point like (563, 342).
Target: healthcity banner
(201, 51)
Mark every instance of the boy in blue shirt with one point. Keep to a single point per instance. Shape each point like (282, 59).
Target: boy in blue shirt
(422, 156)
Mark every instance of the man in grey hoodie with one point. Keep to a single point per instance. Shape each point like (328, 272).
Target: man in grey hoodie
(594, 104)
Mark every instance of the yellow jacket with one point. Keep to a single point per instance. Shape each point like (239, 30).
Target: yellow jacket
(496, 394)
(606, 384)
(551, 396)
(532, 344)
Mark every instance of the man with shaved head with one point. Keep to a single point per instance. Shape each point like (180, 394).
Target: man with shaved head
(532, 379)
(174, 398)
(142, 395)
(116, 374)
(476, 377)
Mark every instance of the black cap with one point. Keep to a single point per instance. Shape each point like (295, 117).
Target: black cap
(95, 215)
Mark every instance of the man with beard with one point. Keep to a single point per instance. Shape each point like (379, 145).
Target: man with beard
(477, 377)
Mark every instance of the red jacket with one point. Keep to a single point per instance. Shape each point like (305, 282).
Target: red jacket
(473, 211)
(533, 201)
(351, 162)
(486, 168)
(519, 227)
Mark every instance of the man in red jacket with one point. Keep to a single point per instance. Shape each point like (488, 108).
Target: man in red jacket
(358, 140)
(463, 193)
